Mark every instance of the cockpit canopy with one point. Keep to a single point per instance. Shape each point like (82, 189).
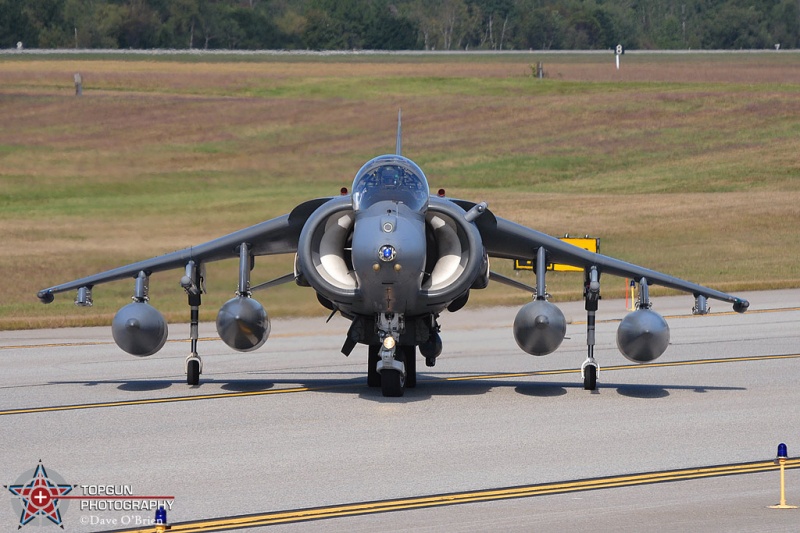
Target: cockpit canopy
(390, 177)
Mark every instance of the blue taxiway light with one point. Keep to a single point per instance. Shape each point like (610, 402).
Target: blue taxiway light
(782, 453)
(161, 515)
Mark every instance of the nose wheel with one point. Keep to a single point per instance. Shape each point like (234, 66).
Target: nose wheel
(392, 381)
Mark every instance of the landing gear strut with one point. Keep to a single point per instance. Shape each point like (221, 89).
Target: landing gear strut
(591, 293)
(194, 365)
(192, 283)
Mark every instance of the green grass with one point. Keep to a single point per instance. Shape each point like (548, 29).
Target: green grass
(683, 164)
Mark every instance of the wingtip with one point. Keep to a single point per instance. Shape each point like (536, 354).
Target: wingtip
(45, 296)
(740, 306)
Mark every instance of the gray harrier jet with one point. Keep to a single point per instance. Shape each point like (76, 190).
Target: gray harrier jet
(390, 257)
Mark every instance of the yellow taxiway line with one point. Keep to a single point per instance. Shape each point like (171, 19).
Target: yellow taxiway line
(422, 502)
(288, 390)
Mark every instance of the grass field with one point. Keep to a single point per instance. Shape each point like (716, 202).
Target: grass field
(686, 163)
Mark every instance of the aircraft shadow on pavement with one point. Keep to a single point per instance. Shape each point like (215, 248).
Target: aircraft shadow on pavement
(427, 389)
(354, 383)
(144, 386)
(642, 391)
(235, 385)
(125, 385)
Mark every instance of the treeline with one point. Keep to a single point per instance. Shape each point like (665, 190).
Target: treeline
(401, 24)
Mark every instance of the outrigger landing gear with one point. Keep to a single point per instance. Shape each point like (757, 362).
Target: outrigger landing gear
(591, 294)
(194, 365)
(192, 282)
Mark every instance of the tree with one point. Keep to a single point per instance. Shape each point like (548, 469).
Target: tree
(401, 24)
(784, 25)
(47, 19)
(183, 17)
(139, 28)
(538, 27)
(95, 23)
(16, 26)
(735, 26)
(387, 29)
(492, 21)
(444, 25)
(453, 23)
(289, 22)
(337, 25)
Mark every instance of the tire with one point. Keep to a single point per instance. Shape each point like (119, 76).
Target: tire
(193, 372)
(392, 383)
(590, 377)
(410, 360)
(373, 378)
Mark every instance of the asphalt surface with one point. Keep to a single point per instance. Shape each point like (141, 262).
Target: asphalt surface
(294, 427)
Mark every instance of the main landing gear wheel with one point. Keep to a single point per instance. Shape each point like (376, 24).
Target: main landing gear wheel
(193, 372)
(590, 377)
(410, 360)
(373, 377)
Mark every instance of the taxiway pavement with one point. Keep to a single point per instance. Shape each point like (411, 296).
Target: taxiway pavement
(294, 426)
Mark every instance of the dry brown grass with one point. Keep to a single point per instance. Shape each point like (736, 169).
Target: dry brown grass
(699, 176)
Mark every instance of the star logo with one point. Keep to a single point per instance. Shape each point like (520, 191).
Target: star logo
(38, 496)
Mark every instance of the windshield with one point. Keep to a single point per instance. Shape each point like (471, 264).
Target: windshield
(392, 178)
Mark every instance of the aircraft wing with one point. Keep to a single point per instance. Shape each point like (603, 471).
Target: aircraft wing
(276, 236)
(505, 239)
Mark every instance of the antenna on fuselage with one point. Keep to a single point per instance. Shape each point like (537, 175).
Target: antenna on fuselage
(399, 132)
